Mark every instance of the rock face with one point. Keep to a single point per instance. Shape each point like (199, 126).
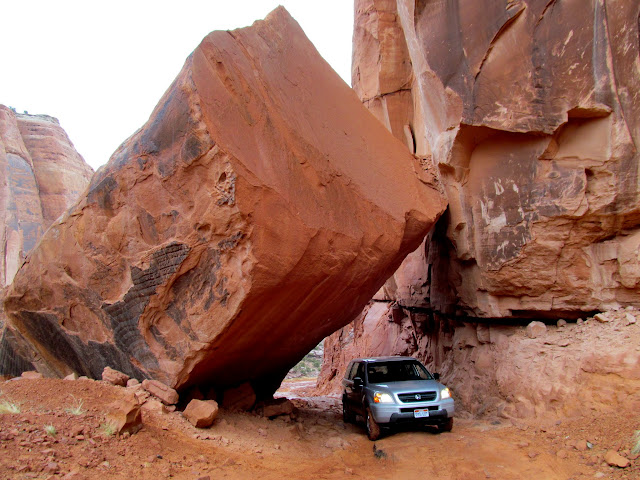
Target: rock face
(42, 176)
(530, 109)
(256, 212)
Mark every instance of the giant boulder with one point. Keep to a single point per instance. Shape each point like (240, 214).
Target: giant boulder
(257, 211)
(530, 110)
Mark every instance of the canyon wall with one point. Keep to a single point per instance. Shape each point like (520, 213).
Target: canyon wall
(42, 176)
(257, 211)
(530, 110)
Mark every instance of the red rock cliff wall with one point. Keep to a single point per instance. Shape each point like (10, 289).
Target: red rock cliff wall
(42, 175)
(531, 110)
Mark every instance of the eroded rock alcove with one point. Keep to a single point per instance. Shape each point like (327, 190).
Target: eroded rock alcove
(256, 212)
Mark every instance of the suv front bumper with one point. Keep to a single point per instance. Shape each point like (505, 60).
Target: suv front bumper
(395, 413)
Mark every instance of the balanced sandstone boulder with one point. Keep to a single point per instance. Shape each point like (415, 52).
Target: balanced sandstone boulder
(257, 211)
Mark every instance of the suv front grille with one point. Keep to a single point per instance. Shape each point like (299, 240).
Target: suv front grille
(417, 397)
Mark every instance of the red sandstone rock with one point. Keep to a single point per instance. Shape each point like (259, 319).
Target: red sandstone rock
(614, 459)
(43, 174)
(242, 397)
(276, 407)
(536, 329)
(257, 211)
(528, 109)
(166, 394)
(114, 377)
(201, 413)
(125, 415)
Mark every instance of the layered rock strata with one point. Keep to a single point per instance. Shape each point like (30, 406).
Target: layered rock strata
(256, 212)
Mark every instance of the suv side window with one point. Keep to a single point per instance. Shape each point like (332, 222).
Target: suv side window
(360, 371)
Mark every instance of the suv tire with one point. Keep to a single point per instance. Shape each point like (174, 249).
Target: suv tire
(447, 426)
(373, 429)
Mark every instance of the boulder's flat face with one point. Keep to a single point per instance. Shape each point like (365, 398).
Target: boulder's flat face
(530, 109)
(257, 211)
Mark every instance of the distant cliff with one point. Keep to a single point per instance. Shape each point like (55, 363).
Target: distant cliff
(42, 175)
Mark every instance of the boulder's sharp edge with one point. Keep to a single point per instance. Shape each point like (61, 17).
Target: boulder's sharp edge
(257, 211)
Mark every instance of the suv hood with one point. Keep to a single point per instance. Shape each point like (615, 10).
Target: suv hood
(410, 386)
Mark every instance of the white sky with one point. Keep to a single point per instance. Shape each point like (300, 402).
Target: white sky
(101, 67)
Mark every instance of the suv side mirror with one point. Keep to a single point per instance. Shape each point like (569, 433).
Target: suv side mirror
(357, 382)
(436, 376)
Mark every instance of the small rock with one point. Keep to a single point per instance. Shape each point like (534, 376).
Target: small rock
(132, 382)
(114, 377)
(523, 444)
(71, 376)
(631, 319)
(562, 454)
(581, 445)
(239, 398)
(602, 317)
(166, 394)
(52, 467)
(276, 407)
(201, 413)
(536, 329)
(614, 459)
(31, 375)
(532, 454)
(262, 432)
(579, 321)
(126, 415)
(561, 323)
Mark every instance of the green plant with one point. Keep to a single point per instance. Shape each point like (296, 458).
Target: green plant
(636, 443)
(9, 407)
(108, 428)
(76, 408)
(51, 430)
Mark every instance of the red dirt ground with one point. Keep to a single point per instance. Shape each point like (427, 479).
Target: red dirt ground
(314, 445)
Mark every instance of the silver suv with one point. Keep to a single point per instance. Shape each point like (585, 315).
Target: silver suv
(391, 390)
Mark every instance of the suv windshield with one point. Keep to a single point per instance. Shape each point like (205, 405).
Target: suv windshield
(386, 372)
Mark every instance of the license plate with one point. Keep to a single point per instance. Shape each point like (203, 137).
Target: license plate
(421, 413)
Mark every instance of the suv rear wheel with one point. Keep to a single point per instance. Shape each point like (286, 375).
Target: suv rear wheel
(373, 429)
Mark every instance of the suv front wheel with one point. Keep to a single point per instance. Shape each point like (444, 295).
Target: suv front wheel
(373, 429)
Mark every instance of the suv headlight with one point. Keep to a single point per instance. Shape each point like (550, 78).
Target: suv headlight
(445, 393)
(381, 397)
